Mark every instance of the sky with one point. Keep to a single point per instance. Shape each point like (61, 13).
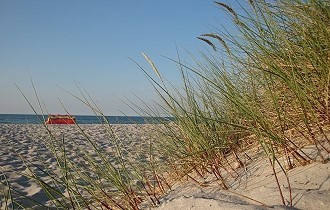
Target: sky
(63, 44)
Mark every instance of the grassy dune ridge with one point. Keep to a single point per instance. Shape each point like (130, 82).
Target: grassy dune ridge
(263, 92)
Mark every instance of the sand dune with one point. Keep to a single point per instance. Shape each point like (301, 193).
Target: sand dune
(256, 188)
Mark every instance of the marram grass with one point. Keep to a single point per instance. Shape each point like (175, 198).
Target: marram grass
(271, 91)
(262, 90)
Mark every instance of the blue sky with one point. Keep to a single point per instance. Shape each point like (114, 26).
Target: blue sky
(91, 42)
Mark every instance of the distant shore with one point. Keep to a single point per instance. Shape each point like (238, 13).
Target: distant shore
(81, 119)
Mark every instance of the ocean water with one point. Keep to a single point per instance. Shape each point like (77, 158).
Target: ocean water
(80, 119)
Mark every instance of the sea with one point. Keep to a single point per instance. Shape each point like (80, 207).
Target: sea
(81, 119)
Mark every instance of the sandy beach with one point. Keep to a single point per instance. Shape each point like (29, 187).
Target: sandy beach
(31, 142)
(254, 188)
(229, 100)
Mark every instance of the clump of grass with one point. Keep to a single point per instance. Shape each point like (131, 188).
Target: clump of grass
(271, 89)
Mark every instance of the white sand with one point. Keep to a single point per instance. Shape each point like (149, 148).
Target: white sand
(31, 141)
(310, 184)
(310, 190)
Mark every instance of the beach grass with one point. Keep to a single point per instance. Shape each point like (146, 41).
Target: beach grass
(263, 91)
(267, 86)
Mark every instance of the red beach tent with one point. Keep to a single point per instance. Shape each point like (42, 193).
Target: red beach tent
(61, 119)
